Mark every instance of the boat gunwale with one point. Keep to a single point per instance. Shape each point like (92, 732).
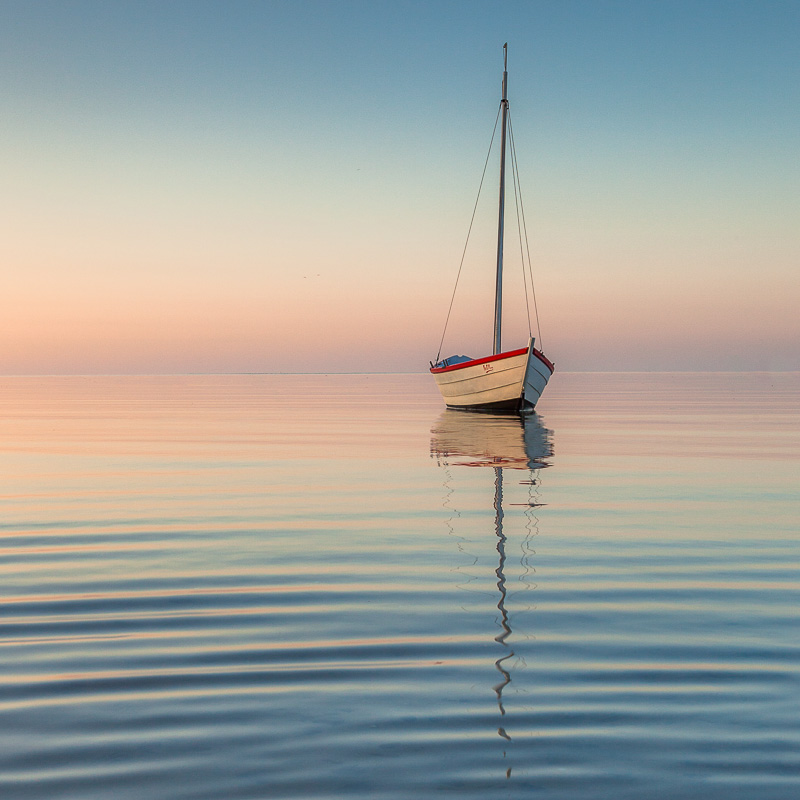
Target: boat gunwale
(511, 353)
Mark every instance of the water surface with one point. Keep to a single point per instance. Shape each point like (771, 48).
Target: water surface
(328, 586)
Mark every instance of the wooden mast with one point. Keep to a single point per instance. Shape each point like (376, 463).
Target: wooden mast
(498, 291)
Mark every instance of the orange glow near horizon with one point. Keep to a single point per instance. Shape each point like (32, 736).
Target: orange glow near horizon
(311, 324)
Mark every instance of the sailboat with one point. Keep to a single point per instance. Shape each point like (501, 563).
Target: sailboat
(505, 380)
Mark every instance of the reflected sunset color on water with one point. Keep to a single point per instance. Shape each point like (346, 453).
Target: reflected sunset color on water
(326, 586)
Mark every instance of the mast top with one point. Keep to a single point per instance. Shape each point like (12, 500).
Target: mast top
(504, 99)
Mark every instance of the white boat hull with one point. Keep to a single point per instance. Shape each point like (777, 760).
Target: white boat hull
(511, 380)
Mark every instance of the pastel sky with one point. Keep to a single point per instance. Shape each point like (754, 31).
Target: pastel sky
(286, 186)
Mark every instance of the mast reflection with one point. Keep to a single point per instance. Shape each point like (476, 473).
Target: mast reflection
(501, 585)
(496, 441)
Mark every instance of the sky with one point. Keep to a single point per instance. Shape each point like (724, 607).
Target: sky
(287, 186)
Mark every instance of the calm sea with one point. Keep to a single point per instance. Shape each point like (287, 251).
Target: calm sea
(328, 587)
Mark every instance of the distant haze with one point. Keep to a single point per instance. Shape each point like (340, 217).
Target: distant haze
(286, 186)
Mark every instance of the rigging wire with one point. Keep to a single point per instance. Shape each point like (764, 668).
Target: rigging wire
(469, 231)
(517, 200)
(515, 167)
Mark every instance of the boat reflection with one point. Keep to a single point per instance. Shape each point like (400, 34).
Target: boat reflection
(499, 442)
(515, 441)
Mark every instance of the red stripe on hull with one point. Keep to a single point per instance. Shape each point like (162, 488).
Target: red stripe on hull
(538, 353)
(476, 361)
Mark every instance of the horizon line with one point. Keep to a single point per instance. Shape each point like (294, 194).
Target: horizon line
(399, 372)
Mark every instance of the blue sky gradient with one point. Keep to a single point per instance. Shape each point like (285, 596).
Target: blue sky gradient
(273, 186)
